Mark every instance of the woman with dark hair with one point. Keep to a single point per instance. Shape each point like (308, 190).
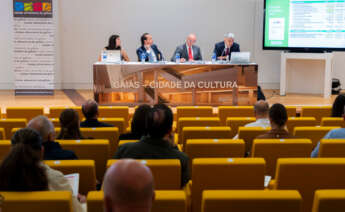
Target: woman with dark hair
(338, 106)
(69, 122)
(22, 170)
(115, 44)
(138, 124)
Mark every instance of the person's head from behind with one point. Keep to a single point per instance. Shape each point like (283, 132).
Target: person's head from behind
(146, 39)
(338, 106)
(69, 122)
(229, 39)
(90, 109)
(44, 127)
(21, 170)
(128, 186)
(261, 109)
(160, 121)
(114, 43)
(278, 116)
(191, 39)
(140, 120)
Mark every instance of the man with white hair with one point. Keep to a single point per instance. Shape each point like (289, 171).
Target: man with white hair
(188, 51)
(224, 48)
(52, 149)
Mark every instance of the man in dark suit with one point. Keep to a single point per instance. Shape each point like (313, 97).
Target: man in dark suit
(90, 111)
(52, 149)
(224, 48)
(149, 50)
(188, 51)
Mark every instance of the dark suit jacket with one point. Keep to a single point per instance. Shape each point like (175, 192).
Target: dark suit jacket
(183, 51)
(53, 151)
(219, 49)
(148, 148)
(155, 49)
(94, 123)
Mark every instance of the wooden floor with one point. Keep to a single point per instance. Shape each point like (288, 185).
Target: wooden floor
(8, 99)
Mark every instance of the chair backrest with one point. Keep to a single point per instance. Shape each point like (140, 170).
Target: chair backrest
(116, 122)
(85, 168)
(193, 111)
(45, 201)
(332, 148)
(225, 174)
(165, 200)
(309, 174)
(9, 124)
(273, 149)
(166, 172)
(315, 134)
(55, 121)
(54, 112)
(291, 111)
(316, 111)
(97, 150)
(2, 134)
(251, 200)
(333, 121)
(248, 134)
(122, 142)
(236, 122)
(5, 147)
(24, 112)
(225, 112)
(300, 122)
(329, 200)
(204, 133)
(114, 112)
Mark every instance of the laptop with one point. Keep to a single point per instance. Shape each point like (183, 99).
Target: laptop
(112, 56)
(240, 57)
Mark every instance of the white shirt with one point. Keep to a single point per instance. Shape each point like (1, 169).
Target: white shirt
(258, 123)
(153, 54)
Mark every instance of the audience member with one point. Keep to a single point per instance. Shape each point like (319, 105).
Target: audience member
(69, 122)
(23, 170)
(138, 124)
(90, 111)
(124, 192)
(338, 106)
(52, 149)
(159, 144)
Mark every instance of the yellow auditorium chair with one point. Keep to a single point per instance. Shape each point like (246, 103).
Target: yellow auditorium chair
(115, 112)
(329, 201)
(248, 134)
(236, 122)
(85, 168)
(23, 112)
(116, 122)
(291, 111)
(2, 134)
(333, 121)
(9, 124)
(97, 150)
(165, 200)
(5, 147)
(225, 112)
(300, 122)
(122, 142)
(214, 148)
(44, 201)
(204, 133)
(315, 134)
(193, 111)
(332, 148)
(316, 111)
(166, 172)
(55, 121)
(54, 112)
(273, 149)
(308, 175)
(251, 200)
(225, 174)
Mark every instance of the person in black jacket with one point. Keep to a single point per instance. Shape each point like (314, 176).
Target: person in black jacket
(224, 48)
(159, 143)
(90, 111)
(52, 149)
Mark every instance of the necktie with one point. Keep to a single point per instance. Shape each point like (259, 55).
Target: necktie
(190, 55)
(227, 51)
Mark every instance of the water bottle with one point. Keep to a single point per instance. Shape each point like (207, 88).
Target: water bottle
(104, 56)
(143, 57)
(177, 58)
(214, 57)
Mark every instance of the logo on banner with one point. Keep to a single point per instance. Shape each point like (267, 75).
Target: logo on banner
(33, 8)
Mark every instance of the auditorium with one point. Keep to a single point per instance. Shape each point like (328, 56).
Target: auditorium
(172, 106)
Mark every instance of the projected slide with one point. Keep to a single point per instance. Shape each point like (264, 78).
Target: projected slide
(305, 23)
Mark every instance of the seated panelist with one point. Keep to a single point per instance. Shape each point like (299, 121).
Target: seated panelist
(188, 51)
(148, 50)
(115, 44)
(224, 48)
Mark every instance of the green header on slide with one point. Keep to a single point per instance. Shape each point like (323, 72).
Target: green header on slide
(277, 23)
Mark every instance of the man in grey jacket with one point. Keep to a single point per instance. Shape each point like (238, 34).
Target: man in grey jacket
(188, 51)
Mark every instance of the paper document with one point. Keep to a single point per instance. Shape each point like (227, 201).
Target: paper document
(267, 180)
(73, 180)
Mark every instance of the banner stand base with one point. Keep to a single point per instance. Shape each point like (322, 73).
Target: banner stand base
(33, 92)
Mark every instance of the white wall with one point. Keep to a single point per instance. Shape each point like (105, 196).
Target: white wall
(83, 28)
